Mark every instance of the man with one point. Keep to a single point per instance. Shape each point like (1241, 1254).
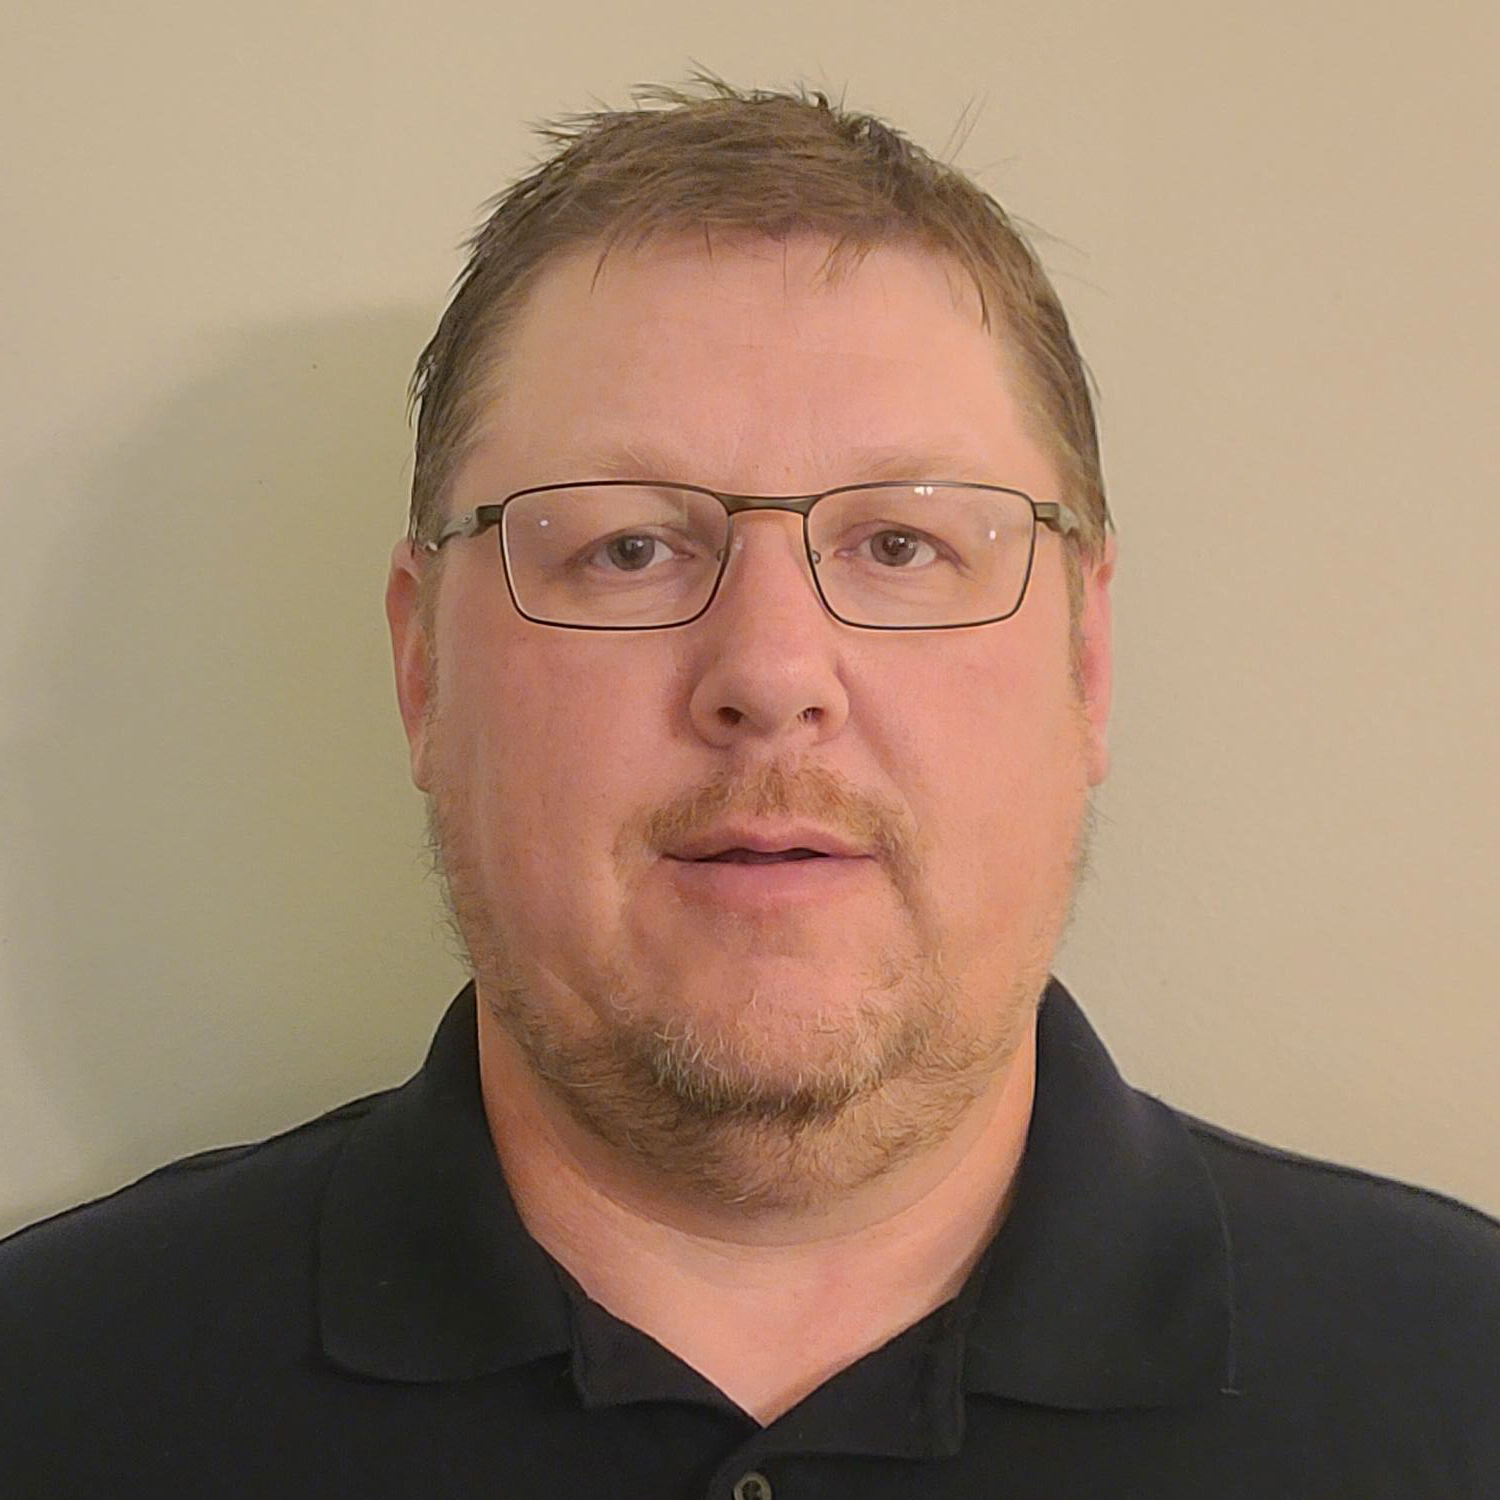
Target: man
(752, 640)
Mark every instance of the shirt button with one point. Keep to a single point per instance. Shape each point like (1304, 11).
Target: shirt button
(752, 1486)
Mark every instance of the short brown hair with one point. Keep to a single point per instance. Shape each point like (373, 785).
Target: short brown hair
(716, 159)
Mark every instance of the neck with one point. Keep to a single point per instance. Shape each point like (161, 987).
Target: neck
(768, 1306)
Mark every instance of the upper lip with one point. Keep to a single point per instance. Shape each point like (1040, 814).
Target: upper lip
(765, 839)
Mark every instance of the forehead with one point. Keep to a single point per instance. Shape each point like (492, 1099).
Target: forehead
(743, 364)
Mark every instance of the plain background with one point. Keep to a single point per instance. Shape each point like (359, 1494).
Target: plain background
(228, 232)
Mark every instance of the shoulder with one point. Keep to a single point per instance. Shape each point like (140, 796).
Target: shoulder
(1316, 1210)
(1360, 1293)
(132, 1327)
(240, 1215)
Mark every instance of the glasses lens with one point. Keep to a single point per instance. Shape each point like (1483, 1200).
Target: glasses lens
(922, 554)
(626, 556)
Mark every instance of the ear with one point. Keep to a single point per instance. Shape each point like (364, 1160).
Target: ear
(1095, 653)
(415, 691)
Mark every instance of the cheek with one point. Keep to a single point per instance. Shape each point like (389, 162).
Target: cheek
(539, 743)
(1005, 785)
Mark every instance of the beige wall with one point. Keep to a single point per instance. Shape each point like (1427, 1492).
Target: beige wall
(228, 231)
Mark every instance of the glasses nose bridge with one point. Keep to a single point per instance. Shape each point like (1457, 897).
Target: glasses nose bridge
(737, 505)
(788, 504)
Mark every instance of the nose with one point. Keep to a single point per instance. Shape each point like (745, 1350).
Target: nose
(768, 673)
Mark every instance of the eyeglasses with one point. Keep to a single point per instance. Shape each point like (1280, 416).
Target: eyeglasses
(629, 554)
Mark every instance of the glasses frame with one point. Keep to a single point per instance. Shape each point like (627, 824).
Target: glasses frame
(1050, 513)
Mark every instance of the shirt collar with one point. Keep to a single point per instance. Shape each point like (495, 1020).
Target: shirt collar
(425, 1269)
(1110, 1282)
(1108, 1285)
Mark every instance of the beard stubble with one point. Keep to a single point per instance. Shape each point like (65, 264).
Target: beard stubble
(729, 1110)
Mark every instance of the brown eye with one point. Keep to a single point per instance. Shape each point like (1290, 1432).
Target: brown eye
(631, 553)
(896, 549)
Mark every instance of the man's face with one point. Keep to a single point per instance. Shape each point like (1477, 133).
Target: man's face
(846, 1008)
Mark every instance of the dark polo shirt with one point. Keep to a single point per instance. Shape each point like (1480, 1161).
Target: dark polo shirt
(354, 1309)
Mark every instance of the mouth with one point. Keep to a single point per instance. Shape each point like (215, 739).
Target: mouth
(740, 856)
(770, 875)
(747, 843)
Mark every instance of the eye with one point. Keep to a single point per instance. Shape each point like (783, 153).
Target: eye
(899, 550)
(630, 552)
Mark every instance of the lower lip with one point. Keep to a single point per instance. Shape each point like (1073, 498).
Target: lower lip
(787, 882)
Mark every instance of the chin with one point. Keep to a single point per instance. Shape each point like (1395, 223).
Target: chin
(780, 1098)
(782, 1053)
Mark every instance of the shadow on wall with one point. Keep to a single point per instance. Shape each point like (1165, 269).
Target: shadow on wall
(218, 923)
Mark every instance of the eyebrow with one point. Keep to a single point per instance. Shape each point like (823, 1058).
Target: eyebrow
(636, 458)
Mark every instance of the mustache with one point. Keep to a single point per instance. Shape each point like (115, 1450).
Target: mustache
(808, 793)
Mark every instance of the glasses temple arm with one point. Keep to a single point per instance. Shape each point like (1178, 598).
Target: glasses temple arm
(467, 524)
(1059, 517)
